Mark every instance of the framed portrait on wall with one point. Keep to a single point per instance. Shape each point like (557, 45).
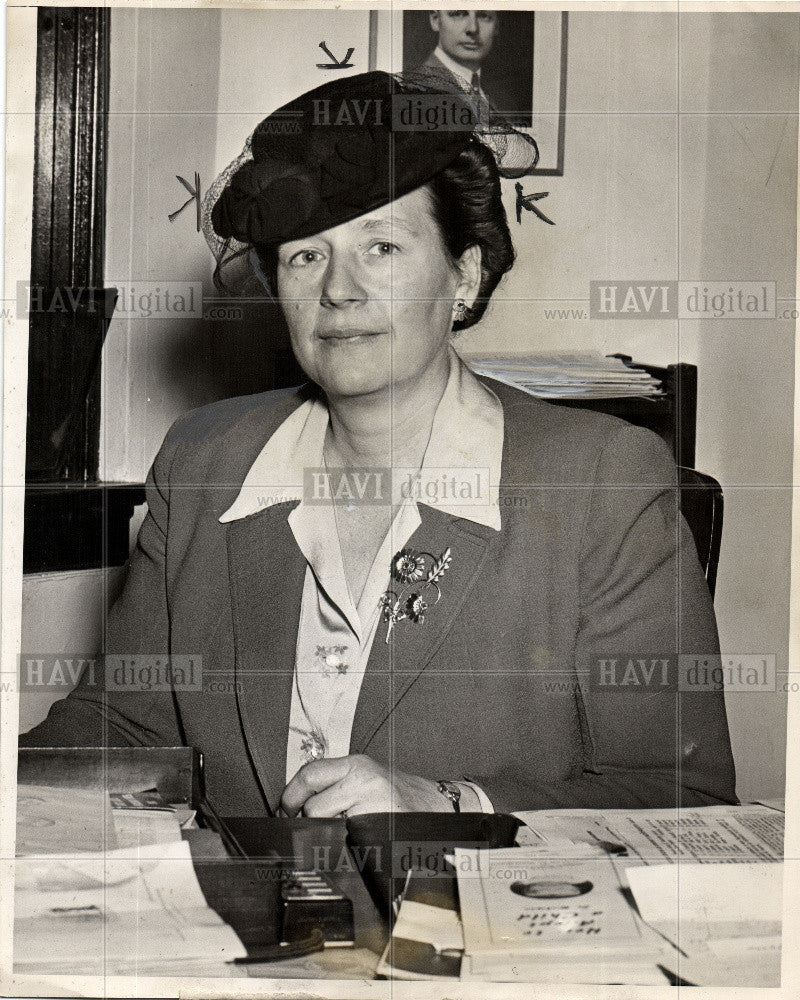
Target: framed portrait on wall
(515, 60)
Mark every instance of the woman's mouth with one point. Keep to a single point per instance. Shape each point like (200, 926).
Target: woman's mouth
(348, 334)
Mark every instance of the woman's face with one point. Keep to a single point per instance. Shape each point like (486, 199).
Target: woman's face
(369, 303)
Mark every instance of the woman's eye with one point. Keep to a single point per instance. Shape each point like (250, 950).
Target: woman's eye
(383, 249)
(304, 258)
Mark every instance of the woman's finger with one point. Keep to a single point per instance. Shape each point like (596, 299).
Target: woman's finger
(310, 779)
(333, 801)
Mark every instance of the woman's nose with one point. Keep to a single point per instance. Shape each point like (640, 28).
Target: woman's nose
(472, 23)
(340, 286)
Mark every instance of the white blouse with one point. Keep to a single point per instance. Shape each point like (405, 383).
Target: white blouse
(335, 633)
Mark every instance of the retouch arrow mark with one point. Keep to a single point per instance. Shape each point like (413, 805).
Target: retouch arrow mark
(334, 63)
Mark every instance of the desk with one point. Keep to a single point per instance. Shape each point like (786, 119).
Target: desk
(244, 890)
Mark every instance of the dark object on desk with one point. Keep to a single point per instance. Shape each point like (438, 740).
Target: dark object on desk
(287, 845)
(173, 771)
(310, 903)
(286, 949)
(673, 978)
(246, 894)
(393, 844)
(420, 960)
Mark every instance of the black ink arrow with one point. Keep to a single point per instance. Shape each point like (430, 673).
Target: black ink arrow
(526, 202)
(194, 192)
(334, 63)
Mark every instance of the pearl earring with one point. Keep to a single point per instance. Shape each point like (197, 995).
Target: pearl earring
(460, 309)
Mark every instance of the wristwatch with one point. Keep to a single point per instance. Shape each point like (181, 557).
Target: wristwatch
(451, 791)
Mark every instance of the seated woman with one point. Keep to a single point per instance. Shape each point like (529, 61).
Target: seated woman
(405, 584)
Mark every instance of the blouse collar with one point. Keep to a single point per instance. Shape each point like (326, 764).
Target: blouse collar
(460, 473)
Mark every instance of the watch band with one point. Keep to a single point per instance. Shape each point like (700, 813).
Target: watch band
(451, 791)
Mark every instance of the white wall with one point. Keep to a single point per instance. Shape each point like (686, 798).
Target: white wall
(187, 88)
(738, 213)
(162, 123)
(635, 169)
(63, 614)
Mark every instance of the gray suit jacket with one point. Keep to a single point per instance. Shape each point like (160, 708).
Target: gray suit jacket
(499, 684)
(434, 73)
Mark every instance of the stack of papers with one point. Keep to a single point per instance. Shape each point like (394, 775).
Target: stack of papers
(639, 897)
(725, 920)
(110, 891)
(707, 881)
(119, 913)
(570, 376)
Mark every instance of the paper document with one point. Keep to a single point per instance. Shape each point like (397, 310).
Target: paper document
(708, 901)
(140, 828)
(51, 820)
(570, 376)
(419, 922)
(726, 919)
(511, 899)
(712, 834)
(114, 914)
(142, 818)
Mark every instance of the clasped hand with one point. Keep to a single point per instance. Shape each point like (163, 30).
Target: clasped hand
(357, 784)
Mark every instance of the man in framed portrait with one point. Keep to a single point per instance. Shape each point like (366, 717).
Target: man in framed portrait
(464, 40)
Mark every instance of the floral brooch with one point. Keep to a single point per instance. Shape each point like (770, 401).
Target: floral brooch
(417, 572)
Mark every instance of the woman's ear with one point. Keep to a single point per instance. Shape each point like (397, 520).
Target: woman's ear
(469, 266)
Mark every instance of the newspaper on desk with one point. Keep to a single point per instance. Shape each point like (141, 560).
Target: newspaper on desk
(116, 914)
(707, 835)
(559, 930)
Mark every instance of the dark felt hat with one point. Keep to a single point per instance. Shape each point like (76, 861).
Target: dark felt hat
(337, 152)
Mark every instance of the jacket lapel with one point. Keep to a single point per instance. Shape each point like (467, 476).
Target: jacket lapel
(267, 571)
(394, 666)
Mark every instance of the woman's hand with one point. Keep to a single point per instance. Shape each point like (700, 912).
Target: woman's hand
(358, 784)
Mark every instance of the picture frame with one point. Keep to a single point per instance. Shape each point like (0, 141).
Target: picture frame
(524, 77)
